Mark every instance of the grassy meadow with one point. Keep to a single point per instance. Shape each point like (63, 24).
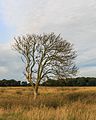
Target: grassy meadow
(53, 103)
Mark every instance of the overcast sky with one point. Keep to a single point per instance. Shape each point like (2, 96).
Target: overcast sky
(74, 19)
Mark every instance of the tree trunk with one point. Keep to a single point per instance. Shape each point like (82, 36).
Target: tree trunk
(35, 92)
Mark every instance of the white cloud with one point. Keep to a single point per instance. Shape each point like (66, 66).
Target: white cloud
(33, 15)
(10, 63)
(3, 70)
(74, 19)
(88, 72)
(87, 56)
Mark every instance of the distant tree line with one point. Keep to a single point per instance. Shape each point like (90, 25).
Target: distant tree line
(80, 81)
(12, 82)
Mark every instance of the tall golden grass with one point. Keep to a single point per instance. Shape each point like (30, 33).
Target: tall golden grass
(58, 103)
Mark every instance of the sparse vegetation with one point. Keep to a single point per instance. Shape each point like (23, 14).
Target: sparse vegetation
(61, 103)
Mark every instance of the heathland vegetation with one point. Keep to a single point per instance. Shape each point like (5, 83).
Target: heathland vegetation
(58, 103)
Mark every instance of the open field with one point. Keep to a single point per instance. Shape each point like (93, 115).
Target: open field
(59, 103)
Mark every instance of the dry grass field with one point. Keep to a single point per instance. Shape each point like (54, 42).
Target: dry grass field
(59, 103)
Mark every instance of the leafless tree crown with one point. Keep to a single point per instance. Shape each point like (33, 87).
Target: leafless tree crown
(46, 56)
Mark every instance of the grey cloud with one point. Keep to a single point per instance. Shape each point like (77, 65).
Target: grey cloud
(88, 72)
(74, 19)
(10, 64)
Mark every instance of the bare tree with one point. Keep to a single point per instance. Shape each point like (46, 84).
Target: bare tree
(45, 56)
